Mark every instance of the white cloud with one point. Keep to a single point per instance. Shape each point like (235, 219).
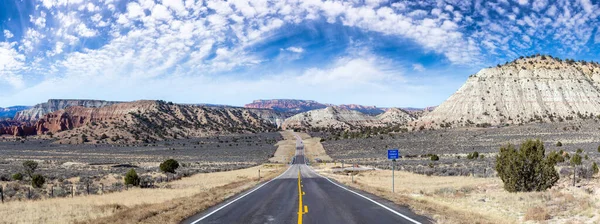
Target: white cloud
(8, 34)
(538, 5)
(523, 2)
(11, 62)
(295, 49)
(418, 67)
(161, 12)
(586, 5)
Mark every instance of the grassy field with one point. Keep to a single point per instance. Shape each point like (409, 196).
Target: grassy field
(171, 203)
(462, 199)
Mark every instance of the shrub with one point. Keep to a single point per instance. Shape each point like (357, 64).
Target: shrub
(526, 169)
(599, 148)
(37, 181)
(17, 176)
(595, 168)
(169, 166)
(132, 178)
(556, 157)
(473, 155)
(435, 158)
(30, 167)
(559, 144)
(579, 151)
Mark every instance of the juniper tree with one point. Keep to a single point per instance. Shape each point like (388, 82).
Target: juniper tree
(526, 168)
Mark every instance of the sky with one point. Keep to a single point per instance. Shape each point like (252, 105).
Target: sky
(370, 52)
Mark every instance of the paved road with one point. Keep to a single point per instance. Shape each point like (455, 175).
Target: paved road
(323, 201)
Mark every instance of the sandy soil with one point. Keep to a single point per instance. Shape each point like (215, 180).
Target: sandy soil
(471, 200)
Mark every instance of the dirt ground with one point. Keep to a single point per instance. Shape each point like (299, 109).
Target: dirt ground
(459, 199)
(285, 148)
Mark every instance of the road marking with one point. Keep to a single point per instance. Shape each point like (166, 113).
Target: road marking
(365, 197)
(231, 202)
(300, 193)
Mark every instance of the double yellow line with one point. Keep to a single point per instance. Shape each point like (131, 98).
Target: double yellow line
(300, 195)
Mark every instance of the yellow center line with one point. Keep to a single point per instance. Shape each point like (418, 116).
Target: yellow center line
(300, 194)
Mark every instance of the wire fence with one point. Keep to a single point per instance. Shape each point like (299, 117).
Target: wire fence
(19, 191)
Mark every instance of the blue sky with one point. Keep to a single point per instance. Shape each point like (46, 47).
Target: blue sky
(371, 52)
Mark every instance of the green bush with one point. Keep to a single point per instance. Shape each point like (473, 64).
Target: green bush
(595, 168)
(559, 144)
(169, 166)
(30, 167)
(435, 157)
(17, 176)
(131, 178)
(473, 155)
(526, 169)
(37, 181)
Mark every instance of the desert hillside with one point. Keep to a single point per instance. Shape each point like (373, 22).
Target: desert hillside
(529, 89)
(38, 111)
(342, 118)
(145, 121)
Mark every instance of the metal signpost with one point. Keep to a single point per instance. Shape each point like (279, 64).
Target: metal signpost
(393, 154)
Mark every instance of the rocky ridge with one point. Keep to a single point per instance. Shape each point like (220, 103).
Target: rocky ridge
(299, 106)
(342, 118)
(529, 89)
(146, 121)
(38, 111)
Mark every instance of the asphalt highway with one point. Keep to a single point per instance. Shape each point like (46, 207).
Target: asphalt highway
(300, 195)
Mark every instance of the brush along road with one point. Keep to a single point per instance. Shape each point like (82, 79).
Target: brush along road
(300, 195)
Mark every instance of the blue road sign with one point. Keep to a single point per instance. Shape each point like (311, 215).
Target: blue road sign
(393, 154)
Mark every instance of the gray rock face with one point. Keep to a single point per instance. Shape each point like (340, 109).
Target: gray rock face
(39, 110)
(526, 90)
(337, 117)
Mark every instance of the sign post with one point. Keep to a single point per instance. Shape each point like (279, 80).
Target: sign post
(393, 154)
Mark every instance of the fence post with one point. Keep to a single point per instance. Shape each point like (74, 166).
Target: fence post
(29, 193)
(52, 191)
(88, 188)
(72, 191)
(258, 174)
(2, 194)
(102, 188)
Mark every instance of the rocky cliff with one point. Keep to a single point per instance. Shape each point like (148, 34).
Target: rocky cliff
(529, 89)
(38, 111)
(342, 118)
(146, 121)
(396, 116)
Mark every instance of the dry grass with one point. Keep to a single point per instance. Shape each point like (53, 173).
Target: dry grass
(285, 148)
(477, 200)
(173, 202)
(315, 150)
(537, 214)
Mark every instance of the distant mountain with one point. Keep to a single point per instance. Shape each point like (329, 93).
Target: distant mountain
(338, 117)
(529, 89)
(144, 121)
(36, 112)
(10, 112)
(287, 105)
(370, 110)
(299, 106)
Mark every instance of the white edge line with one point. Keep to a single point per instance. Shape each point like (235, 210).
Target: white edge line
(231, 202)
(365, 197)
